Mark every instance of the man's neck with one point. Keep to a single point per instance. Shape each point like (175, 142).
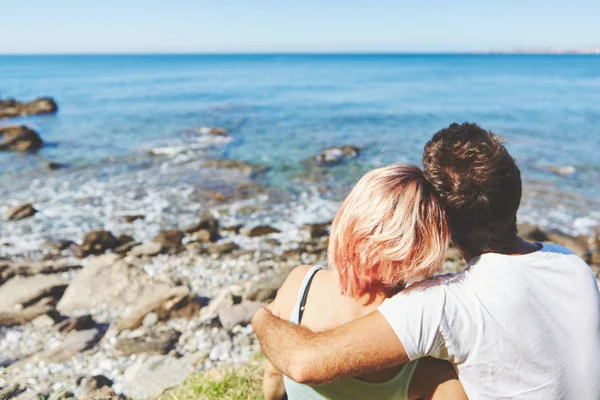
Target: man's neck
(520, 248)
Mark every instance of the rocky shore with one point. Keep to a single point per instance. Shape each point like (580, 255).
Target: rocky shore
(113, 317)
(130, 310)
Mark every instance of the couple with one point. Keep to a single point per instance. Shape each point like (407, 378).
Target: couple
(522, 321)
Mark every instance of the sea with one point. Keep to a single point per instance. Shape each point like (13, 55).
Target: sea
(125, 128)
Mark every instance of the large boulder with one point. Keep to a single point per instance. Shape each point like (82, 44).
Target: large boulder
(164, 301)
(149, 377)
(20, 292)
(108, 280)
(12, 108)
(21, 211)
(20, 138)
(336, 155)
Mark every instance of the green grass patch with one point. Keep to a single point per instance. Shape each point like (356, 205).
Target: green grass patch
(233, 383)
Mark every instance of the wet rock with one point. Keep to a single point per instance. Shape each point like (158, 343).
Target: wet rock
(164, 301)
(59, 245)
(240, 166)
(20, 292)
(273, 242)
(205, 130)
(265, 289)
(127, 247)
(12, 108)
(110, 281)
(76, 324)
(577, 245)
(53, 166)
(239, 314)
(262, 230)
(97, 242)
(148, 249)
(97, 387)
(151, 376)
(20, 212)
(20, 138)
(315, 231)
(73, 344)
(232, 228)
(223, 248)
(336, 155)
(130, 218)
(531, 233)
(205, 230)
(169, 240)
(31, 313)
(125, 239)
(152, 342)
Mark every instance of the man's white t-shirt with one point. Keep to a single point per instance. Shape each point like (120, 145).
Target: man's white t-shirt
(517, 327)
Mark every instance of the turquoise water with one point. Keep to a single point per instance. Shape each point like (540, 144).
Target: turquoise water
(282, 109)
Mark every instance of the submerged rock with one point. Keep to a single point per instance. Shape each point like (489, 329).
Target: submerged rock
(336, 155)
(20, 212)
(20, 138)
(12, 108)
(53, 166)
(241, 166)
(212, 131)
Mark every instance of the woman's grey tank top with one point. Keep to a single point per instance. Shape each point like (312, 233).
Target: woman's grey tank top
(348, 389)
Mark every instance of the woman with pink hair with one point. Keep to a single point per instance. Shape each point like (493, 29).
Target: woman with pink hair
(390, 231)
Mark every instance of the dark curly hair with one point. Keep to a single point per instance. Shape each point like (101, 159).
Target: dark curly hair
(479, 184)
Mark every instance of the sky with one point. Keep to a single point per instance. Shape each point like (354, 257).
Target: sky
(259, 26)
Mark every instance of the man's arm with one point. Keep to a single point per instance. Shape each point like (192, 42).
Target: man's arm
(364, 345)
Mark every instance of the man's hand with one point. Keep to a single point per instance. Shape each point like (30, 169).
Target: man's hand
(361, 346)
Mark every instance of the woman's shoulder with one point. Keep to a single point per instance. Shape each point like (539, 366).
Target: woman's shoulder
(287, 294)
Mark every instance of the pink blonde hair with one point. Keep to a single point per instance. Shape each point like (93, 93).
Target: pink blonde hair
(390, 230)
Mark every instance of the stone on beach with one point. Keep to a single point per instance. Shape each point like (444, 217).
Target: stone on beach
(110, 281)
(20, 212)
(97, 387)
(262, 230)
(266, 288)
(10, 108)
(73, 344)
(149, 377)
(31, 313)
(170, 240)
(20, 138)
(162, 301)
(145, 249)
(79, 323)
(239, 314)
(207, 229)
(97, 242)
(154, 342)
(315, 231)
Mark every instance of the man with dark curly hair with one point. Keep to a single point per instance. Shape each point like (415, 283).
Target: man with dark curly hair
(522, 321)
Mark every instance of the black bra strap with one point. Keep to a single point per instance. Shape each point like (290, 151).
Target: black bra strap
(305, 296)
